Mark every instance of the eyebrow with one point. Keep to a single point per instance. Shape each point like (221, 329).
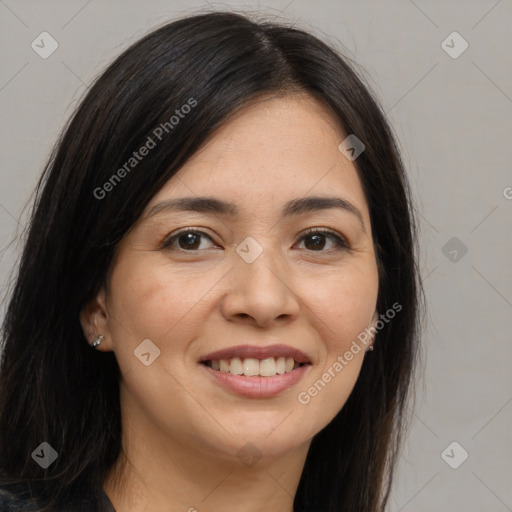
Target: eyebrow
(295, 207)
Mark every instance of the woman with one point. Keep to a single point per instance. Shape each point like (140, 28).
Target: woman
(216, 306)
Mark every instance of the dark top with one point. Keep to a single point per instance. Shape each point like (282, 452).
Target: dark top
(9, 503)
(107, 503)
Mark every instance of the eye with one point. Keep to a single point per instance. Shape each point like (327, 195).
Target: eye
(317, 236)
(188, 240)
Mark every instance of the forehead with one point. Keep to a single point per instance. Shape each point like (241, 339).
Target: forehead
(274, 150)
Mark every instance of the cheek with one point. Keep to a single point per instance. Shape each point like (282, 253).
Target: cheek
(151, 300)
(345, 315)
(344, 305)
(143, 304)
(326, 393)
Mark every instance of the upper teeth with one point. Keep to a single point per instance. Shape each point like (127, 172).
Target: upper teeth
(252, 367)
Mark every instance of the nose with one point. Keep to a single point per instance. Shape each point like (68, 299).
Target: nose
(260, 292)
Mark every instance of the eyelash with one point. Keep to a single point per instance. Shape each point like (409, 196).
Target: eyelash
(341, 242)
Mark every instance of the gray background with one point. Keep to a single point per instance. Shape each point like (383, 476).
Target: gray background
(453, 119)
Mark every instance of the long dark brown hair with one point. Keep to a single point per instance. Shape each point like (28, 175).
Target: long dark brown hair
(55, 388)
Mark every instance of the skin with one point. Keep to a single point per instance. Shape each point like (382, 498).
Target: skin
(182, 430)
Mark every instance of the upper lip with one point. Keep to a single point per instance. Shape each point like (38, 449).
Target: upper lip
(257, 352)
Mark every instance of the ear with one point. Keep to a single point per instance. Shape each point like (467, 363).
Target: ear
(94, 321)
(374, 319)
(373, 325)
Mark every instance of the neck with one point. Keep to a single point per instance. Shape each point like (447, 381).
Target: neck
(158, 472)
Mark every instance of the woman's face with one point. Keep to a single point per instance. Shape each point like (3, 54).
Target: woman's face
(244, 282)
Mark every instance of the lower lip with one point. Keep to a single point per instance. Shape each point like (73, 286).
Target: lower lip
(258, 387)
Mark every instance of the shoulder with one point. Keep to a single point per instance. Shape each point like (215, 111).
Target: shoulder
(10, 502)
(18, 498)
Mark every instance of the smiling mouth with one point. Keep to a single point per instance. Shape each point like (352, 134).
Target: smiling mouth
(251, 367)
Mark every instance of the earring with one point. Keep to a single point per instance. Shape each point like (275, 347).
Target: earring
(370, 349)
(97, 341)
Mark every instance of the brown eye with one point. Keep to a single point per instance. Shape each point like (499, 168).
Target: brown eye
(187, 240)
(315, 240)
